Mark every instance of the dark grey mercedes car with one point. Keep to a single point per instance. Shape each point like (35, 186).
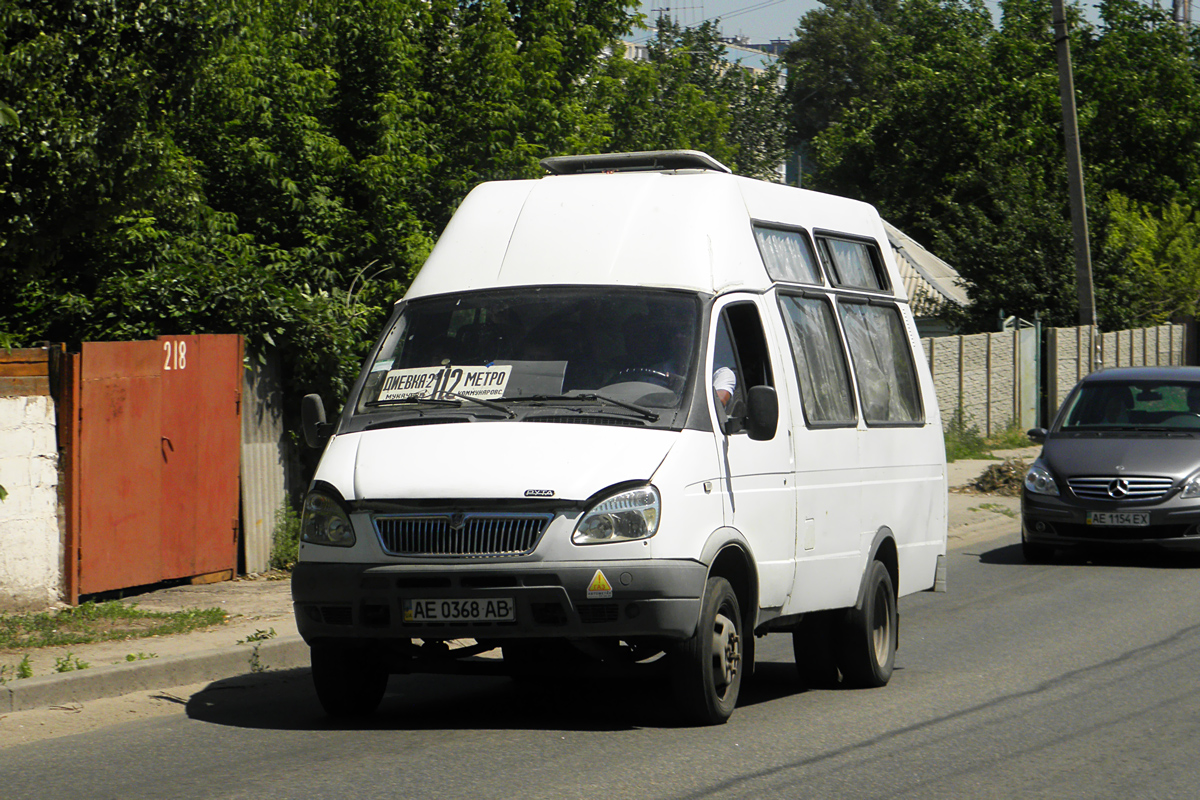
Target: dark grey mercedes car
(1120, 465)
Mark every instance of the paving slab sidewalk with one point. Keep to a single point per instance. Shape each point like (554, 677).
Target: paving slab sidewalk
(260, 633)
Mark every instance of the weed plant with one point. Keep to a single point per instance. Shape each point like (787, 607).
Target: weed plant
(69, 663)
(285, 540)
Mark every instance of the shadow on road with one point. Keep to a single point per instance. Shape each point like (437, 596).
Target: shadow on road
(285, 700)
(1135, 557)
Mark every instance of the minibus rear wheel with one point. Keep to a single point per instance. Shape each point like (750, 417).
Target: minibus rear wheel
(867, 640)
(812, 647)
(350, 681)
(707, 669)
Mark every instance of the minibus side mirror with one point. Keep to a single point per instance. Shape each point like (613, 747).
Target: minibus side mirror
(1037, 434)
(763, 416)
(312, 419)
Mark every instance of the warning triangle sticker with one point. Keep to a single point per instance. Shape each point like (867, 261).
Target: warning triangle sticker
(599, 588)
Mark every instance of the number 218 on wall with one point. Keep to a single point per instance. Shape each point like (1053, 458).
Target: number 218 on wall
(176, 355)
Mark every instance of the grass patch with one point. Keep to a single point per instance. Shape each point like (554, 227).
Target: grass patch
(964, 441)
(99, 622)
(996, 508)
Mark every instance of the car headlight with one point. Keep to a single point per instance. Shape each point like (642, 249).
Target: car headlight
(324, 522)
(1191, 487)
(621, 518)
(1039, 481)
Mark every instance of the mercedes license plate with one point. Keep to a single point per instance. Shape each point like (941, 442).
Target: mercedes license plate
(486, 609)
(1119, 519)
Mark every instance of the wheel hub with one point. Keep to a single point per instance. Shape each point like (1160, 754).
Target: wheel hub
(727, 652)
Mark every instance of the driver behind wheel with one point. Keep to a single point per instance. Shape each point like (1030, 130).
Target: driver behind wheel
(657, 348)
(1193, 399)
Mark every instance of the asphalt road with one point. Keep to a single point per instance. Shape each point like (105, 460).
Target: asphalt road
(1072, 680)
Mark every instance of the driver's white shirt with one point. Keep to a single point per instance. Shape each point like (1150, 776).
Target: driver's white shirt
(724, 379)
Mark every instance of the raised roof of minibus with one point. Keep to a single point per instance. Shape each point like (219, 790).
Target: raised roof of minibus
(685, 229)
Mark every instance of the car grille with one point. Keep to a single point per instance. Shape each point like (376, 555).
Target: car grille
(460, 535)
(1111, 487)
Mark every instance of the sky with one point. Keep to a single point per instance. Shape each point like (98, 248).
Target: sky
(764, 20)
(761, 20)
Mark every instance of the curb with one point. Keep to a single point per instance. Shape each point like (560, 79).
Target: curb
(114, 680)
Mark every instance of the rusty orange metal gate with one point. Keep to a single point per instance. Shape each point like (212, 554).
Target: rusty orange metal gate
(156, 442)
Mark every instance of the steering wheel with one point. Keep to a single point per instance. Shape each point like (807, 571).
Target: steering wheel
(668, 380)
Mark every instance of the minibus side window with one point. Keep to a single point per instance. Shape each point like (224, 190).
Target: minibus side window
(887, 381)
(787, 255)
(853, 263)
(820, 362)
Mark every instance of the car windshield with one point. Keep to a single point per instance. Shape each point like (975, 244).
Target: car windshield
(627, 351)
(1169, 405)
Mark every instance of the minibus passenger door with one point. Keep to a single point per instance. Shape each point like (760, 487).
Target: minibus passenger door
(758, 485)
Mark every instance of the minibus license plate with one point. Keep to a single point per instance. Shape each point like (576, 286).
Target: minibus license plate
(486, 609)
(1123, 519)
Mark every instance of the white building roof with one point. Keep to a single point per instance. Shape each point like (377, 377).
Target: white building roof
(929, 282)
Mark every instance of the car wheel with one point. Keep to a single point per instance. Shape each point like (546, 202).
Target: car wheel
(707, 669)
(866, 642)
(812, 646)
(1035, 553)
(350, 682)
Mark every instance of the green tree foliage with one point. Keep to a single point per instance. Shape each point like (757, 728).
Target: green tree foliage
(953, 127)
(1162, 245)
(688, 96)
(282, 169)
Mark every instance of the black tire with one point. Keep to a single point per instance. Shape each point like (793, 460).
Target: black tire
(813, 648)
(1035, 553)
(707, 669)
(866, 642)
(350, 682)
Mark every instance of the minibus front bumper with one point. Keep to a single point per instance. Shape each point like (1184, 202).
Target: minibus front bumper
(621, 599)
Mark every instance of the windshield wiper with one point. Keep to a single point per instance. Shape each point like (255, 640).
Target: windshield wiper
(444, 399)
(594, 397)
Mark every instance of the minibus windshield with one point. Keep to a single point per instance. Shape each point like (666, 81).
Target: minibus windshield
(628, 351)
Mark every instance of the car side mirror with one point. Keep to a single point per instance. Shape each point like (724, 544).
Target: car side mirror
(763, 413)
(1037, 434)
(312, 419)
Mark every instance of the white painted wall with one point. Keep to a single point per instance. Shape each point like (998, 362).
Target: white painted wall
(30, 542)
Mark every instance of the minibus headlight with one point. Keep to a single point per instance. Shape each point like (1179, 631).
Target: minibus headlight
(1191, 487)
(621, 518)
(324, 522)
(1039, 481)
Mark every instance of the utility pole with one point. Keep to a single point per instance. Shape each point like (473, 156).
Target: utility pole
(1181, 12)
(1066, 89)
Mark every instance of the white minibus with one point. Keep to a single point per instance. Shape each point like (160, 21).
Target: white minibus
(629, 416)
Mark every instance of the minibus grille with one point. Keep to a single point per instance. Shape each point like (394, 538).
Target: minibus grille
(470, 535)
(1111, 487)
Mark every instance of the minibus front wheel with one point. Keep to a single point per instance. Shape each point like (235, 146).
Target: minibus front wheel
(350, 681)
(707, 669)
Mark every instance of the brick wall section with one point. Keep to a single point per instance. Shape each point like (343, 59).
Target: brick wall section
(30, 544)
